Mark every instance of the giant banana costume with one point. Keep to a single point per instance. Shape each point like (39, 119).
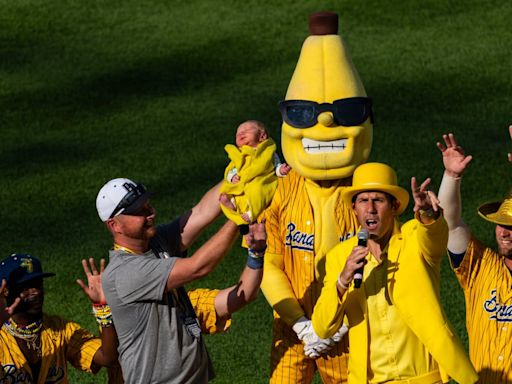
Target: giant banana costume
(326, 133)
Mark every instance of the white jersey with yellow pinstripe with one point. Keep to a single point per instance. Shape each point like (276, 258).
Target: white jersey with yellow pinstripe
(61, 341)
(487, 285)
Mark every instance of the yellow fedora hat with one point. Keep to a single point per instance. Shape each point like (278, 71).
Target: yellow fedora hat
(498, 212)
(376, 177)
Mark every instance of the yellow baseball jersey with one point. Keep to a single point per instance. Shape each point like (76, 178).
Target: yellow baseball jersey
(487, 285)
(62, 341)
(203, 301)
(304, 221)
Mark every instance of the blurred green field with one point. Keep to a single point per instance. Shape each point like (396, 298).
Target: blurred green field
(153, 91)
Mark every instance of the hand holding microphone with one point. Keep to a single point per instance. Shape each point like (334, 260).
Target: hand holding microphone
(354, 267)
(362, 241)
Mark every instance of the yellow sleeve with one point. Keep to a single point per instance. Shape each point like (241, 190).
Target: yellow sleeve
(432, 239)
(278, 291)
(203, 302)
(275, 284)
(81, 346)
(328, 313)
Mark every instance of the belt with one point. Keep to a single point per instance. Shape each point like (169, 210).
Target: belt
(429, 378)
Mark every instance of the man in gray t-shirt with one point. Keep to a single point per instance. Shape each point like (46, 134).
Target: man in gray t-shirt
(160, 336)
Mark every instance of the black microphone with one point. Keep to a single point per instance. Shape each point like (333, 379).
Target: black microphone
(362, 240)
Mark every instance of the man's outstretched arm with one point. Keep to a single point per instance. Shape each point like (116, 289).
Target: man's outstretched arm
(205, 259)
(193, 222)
(232, 299)
(455, 163)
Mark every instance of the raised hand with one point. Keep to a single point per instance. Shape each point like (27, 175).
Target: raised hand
(6, 311)
(424, 199)
(93, 289)
(454, 159)
(256, 239)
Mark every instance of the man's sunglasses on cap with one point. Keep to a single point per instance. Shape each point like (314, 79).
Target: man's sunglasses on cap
(128, 202)
(348, 112)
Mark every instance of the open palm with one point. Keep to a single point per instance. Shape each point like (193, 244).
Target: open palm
(454, 159)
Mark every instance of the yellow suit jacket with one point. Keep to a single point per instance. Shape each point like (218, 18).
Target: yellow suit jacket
(414, 256)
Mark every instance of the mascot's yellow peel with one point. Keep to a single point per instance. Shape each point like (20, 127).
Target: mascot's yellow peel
(325, 73)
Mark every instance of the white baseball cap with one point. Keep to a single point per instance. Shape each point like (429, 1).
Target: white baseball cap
(120, 196)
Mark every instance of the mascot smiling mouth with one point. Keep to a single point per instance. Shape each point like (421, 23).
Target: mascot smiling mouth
(315, 146)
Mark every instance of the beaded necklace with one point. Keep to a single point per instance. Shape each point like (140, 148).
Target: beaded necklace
(29, 333)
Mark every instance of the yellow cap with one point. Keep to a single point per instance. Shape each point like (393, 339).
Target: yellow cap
(376, 177)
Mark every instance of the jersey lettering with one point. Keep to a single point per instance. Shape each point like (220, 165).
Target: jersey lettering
(299, 240)
(55, 374)
(12, 375)
(498, 311)
(347, 236)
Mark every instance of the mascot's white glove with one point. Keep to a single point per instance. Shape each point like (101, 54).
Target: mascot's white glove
(341, 332)
(314, 346)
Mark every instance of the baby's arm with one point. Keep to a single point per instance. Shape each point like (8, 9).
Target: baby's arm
(232, 176)
(282, 169)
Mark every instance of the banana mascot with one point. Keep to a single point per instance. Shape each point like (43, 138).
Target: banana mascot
(326, 133)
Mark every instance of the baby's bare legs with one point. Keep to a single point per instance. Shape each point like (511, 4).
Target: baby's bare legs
(226, 201)
(246, 216)
(229, 203)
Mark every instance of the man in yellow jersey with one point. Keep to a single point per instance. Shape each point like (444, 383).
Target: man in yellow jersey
(326, 133)
(36, 347)
(484, 274)
(158, 324)
(398, 332)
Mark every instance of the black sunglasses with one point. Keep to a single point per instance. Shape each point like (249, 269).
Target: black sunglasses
(347, 112)
(134, 192)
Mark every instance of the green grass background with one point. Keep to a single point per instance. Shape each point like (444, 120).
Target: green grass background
(153, 90)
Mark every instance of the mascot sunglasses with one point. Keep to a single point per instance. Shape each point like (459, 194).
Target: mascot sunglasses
(347, 112)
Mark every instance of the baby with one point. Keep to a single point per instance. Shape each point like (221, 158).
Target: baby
(255, 164)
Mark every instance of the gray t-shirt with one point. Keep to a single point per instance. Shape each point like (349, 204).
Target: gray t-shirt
(159, 336)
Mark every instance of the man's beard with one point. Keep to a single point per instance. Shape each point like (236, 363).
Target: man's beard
(142, 233)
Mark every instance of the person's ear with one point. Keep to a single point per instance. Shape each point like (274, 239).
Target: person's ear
(263, 135)
(113, 225)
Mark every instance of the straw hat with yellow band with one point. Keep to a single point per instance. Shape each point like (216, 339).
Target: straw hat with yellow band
(498, 212)
(376, 177)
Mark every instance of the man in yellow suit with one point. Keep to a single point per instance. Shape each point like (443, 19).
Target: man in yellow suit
(326, 133)
(398, 331)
